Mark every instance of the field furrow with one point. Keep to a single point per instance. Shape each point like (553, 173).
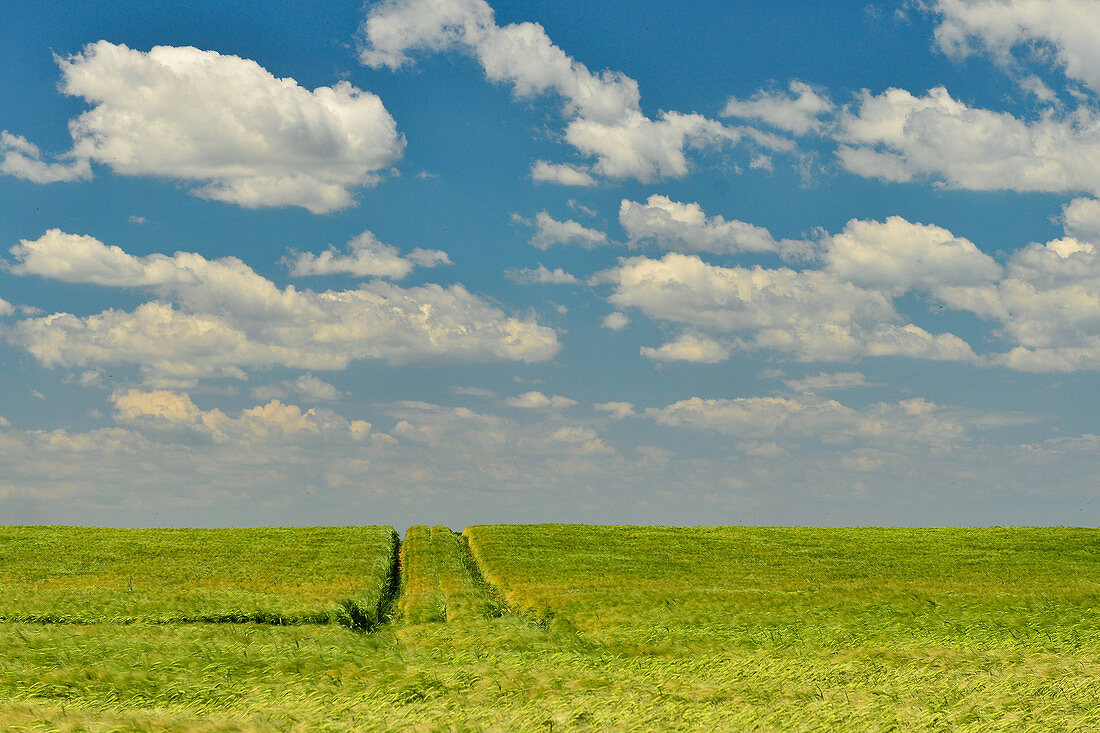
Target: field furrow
(441, 581)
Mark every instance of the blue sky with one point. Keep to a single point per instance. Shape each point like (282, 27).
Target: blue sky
(455, 262)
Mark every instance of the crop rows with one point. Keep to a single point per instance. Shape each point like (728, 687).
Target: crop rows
(605, 628)
(440, 581)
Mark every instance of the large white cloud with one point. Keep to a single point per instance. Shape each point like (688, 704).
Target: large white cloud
(646, 149)
(219, 317)
(1069, 28)
(810, 314)
(520, 54)
(603, 112)
(252, 139)
(896, 255)
(1044, 302)
(897, 136)
(1047, 303)
(1081, 218)
(1051, 300)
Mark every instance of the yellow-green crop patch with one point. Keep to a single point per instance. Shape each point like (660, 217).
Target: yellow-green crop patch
(837, 589)
(509, 675)
(272, 575)
(627, 628)
(439, 580)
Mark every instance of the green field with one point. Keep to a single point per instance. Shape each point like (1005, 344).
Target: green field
(580, 628)
(270, 575)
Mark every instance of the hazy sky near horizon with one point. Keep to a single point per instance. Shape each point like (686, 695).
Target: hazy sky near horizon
(446, 261)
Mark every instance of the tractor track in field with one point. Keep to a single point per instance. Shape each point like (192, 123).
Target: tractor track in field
(441, 581)
(478, 576)
(436, 559)
(387, 601)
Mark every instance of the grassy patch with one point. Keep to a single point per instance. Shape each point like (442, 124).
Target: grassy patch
(633, 628)
(267, 575)
(508, 675)
(440, 581)
(834, 589)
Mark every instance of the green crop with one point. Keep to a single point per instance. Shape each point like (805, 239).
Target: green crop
(627, 628)
(268, 575)
(834, 589)
(440, 581)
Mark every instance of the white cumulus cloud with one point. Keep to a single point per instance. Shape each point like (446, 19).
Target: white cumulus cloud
(810, 314)
(897, 136)
(550, 232)
(273, 422)
(277, 144)
(1068, 28)
(686, 228)
(603, 113)
(689, 347)
(366, 257)
(219, 317)
(615, 321)
(798, 112)
(897, 255)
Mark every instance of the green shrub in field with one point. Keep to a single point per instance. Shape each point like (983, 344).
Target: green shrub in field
(268, 575)
(440, 581)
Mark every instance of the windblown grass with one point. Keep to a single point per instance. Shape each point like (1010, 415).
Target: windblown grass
(965, 590)
(268, 575)
(628, 629)
(440, 581)
(508, 675)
